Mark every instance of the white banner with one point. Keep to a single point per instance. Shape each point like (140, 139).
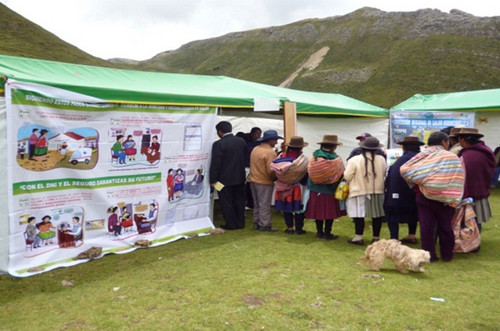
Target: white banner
(85, 174)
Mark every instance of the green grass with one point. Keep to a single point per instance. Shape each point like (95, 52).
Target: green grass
(248, 280)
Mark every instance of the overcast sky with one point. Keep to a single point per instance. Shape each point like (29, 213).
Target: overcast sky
(140, 29)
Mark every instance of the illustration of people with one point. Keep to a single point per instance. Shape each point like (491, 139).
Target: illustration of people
(46, 230)
(31, 232)
(153, 152)
(64, 148)
(126, 220)
(21, 150)
(198, 177)
(170, 184)
(113, 222)
(117, 149)
(76, 230)
(195, 185)
(41, 146)
(129, 148)
(153, 213)
(178, 183)
(32, 144)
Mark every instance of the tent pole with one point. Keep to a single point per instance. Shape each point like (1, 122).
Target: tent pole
(289, 120)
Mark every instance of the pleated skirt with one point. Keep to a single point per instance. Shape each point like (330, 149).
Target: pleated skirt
(369, 206)
(483, 210)
(322, 206)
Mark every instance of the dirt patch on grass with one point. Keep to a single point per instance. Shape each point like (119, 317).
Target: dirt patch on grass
(252, 301)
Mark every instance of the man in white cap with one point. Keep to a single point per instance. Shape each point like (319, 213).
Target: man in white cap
(262, 180)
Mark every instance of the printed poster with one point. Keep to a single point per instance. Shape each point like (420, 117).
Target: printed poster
(423, 123)
(86, 173)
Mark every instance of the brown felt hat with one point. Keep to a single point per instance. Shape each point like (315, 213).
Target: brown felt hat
(297, 142)
(330, 140)
(453, 132)
(410, 140)
(371, 143)
(469, 132)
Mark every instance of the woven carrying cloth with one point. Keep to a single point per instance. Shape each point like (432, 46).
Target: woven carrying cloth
(439, 175)
(288, 171)
(467, 237)
(323, 171)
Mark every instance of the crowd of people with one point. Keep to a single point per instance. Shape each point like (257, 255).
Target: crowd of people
(424, 186)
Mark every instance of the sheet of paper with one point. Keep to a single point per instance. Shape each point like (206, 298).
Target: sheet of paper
(218, 186)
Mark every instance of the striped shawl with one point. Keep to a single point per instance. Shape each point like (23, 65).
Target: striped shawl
(438, 173)
(323, 171)
(290, 171)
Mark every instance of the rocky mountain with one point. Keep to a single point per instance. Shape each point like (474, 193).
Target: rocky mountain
(371, 55)
(378, 57)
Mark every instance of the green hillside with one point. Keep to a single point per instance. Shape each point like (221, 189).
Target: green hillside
(21, 37)
(378, 57)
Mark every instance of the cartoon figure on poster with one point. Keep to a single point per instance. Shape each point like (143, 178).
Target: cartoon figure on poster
(153, 151)
(50, 148)
(117, 150)
(146, 217)
(41, 146)
(195, 186)
(141, 146)
(170, 184)
(46, 230)
(179, 183)
(129, 148)
(58, 228)
(114, 227)
(126, 221)
(70, 234)
(33, 139)
(31, 233)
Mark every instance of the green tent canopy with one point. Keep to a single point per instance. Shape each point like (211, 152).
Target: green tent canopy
(128, 86)
(481, 100)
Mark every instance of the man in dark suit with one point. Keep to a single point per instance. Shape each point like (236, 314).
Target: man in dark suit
(228, 168)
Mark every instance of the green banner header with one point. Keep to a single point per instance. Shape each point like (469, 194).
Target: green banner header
(79, 183)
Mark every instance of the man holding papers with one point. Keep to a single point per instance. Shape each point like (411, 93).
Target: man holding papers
(227, 175)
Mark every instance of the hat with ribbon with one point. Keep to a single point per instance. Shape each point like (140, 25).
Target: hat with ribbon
(330, 140)
(297, 142)
(469, 132)
(371, 143)
(453, 132)
(410, 140)
(269, 135)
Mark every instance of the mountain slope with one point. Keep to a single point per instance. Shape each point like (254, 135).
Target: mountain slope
(378, 57)
(21, 37)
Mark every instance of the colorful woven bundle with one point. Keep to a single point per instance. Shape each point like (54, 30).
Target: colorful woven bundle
(467, 236)
(290, 172)
(438, 173)
(322, 171)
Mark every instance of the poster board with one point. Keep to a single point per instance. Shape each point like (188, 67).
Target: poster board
(83, 172)
(423, 123)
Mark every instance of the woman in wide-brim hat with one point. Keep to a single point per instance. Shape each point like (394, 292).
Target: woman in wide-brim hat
(399, 200)
(322, 206)
(480, 163)
(291, 168)
(366, 176)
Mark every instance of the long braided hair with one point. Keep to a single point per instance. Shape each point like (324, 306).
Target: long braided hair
(372, 161)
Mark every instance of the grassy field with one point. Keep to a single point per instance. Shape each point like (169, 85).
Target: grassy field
(249, 280)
